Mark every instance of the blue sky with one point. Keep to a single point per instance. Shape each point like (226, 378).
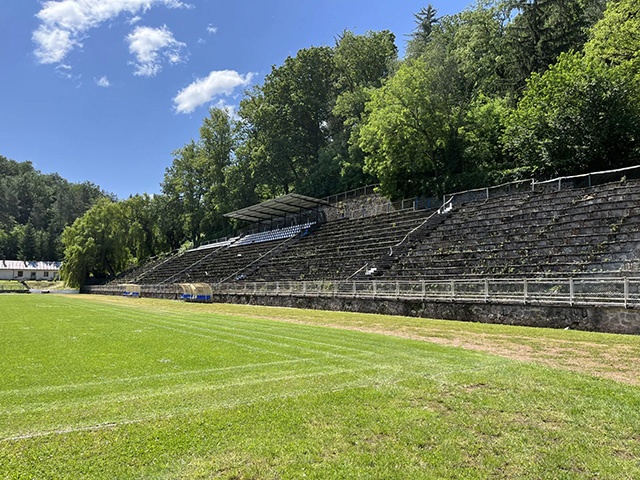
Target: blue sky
(105, 90)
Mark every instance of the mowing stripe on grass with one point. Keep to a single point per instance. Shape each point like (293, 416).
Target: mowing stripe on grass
(219, 332)
(325, 364)
(219, 336)
(175, 390)
(210, 335)
(201, 322)
(216, 330)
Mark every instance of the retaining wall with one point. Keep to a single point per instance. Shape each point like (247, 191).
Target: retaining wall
(599, 319)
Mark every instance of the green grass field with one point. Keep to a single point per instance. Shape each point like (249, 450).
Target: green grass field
(99, 387)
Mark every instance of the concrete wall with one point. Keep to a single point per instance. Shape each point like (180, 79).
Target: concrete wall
(359, 207)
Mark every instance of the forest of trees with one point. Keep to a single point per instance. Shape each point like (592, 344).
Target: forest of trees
(36, 208)
(505, 90)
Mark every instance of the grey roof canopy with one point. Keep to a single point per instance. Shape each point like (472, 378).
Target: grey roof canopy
(277, 207)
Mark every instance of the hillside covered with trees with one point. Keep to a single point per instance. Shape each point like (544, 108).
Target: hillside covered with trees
(35, 208)
(505, 90)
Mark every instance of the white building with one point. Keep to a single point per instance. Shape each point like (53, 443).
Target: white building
(20, 270)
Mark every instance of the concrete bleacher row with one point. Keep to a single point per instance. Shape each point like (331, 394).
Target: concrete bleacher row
(195, 264)
(133, 275)
(332, 250)
(271, 235)
(340, 249)
(569, 232)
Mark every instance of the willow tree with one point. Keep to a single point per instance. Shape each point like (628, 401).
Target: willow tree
(96, 244)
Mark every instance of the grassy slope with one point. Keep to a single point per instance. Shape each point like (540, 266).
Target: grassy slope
(11, 285)
(47, 284)
(119, 388)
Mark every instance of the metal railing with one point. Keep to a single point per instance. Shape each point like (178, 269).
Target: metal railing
(485, 193)
(170, 291)
(603, 291)
(590, 179)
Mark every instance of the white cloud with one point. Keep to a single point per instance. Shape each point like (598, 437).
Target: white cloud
(102, 81)
(150, 46)
(212, 30)
(204, 90)
(64, 68)
(65, 23)
(53, 44)
(65, 71)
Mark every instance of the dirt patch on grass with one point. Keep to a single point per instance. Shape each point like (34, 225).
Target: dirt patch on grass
(607, 360)
(598, 361)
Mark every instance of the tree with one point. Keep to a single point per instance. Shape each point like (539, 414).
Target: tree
(362, 63)
(485, 122)
(583, 114)
(195, 182)
(579, 116)
(27, 248)
(616, 38)
(410, 135)
(217, 143)
(143, 239)
(543, 29)
(47, 203)
(185, 182)
(167, 211)
(419, 136)
(96, 244)
(477, 38)
(286, 121)
(425, 21)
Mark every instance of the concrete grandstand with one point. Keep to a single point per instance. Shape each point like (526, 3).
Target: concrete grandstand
(577, 239)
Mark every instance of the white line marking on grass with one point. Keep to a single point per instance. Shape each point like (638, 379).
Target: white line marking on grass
(168, 325)
(64, 431)
(184, 412)
(370, 381)
(188, 321)
(204, 325)
(278, 335)
(182, 391)
(113, 381)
